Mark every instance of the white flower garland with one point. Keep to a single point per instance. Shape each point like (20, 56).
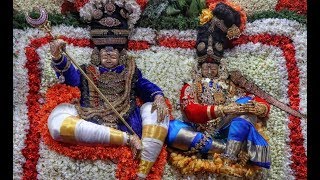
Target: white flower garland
(27, 5)
(298, 33)
(143, 34)
(20, 109)
(71, 32)
(80, 54)
(52, 165)
(168, 68)
(174, 64)
(187, 35)
(255, 6)
(20, 92)
(261, 63)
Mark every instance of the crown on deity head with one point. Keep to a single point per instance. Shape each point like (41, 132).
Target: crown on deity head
(111, 21)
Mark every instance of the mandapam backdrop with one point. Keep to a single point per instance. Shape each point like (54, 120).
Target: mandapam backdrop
(272, 52)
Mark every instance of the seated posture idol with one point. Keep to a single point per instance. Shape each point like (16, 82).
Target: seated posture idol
(92, 121)
(219, 117)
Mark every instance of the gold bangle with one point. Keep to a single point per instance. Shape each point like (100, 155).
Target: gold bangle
(218, 111)
(221, 110)
(56, 57)
(65, 68)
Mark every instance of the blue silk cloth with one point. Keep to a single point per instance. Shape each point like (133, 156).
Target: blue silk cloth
(239, 130)
(143, 88)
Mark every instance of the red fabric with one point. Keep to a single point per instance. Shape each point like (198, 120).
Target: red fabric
(195, 112)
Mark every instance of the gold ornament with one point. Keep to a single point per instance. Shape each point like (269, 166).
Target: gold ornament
(201, 46)
(206, 15)
(233, 32)
(95, 57)
(219, 98)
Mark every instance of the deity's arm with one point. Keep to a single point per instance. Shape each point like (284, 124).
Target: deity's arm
(145, 89)
(195, 112)
(66, 68)
(262, 106)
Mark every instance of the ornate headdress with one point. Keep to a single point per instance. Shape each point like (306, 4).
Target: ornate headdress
(110, 22)
(223, 21)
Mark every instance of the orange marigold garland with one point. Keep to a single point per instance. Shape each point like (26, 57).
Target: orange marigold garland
(192, 165)
(126, 166)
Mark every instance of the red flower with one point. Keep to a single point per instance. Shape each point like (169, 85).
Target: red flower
(297, 6)
(142, 3)
(67, 6)
(174, 42)
(138, 45)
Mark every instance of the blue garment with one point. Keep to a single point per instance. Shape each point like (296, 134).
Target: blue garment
(237, 130)
(174, 129)
(143, 88)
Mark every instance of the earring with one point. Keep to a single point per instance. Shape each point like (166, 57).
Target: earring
(95, 57)
(123, 56)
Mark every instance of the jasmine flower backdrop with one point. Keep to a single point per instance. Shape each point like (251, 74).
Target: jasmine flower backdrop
(272, 52)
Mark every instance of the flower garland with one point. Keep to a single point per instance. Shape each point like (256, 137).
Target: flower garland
(188, 35)
(298, 152)
(283, 14)
(267, 62)
(297, 33)
(142, 3)
(27, 5)
(56, 166)
(143, 34)
(167, 68)
(126, 168)
(297, 6)
(20, 109)
(176, 43)
(193, 165)
(31, 54)
(256, 6)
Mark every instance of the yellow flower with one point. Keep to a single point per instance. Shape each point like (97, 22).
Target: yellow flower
(205, 16)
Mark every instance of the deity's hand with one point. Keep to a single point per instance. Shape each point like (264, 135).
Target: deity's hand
(233, 108)
(230, 109)
(136, 146)
(160, 105)
(56, 48)
(256, 108)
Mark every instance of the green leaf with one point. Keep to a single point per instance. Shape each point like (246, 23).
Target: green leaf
(193, 10)
(172, 11)
(181, 3)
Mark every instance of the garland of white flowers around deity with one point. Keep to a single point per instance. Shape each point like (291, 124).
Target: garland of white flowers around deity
(169, 68)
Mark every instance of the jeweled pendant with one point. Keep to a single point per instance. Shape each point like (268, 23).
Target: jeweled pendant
(61, 79)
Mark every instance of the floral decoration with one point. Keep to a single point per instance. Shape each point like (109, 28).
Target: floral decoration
(272, 53)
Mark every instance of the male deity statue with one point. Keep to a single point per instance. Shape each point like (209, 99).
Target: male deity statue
(92, 121)
(219, 117)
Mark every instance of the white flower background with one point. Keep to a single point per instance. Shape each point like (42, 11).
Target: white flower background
(168, 68)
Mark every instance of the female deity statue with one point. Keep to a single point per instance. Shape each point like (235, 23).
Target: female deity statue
(92, 121)
(219, 117)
